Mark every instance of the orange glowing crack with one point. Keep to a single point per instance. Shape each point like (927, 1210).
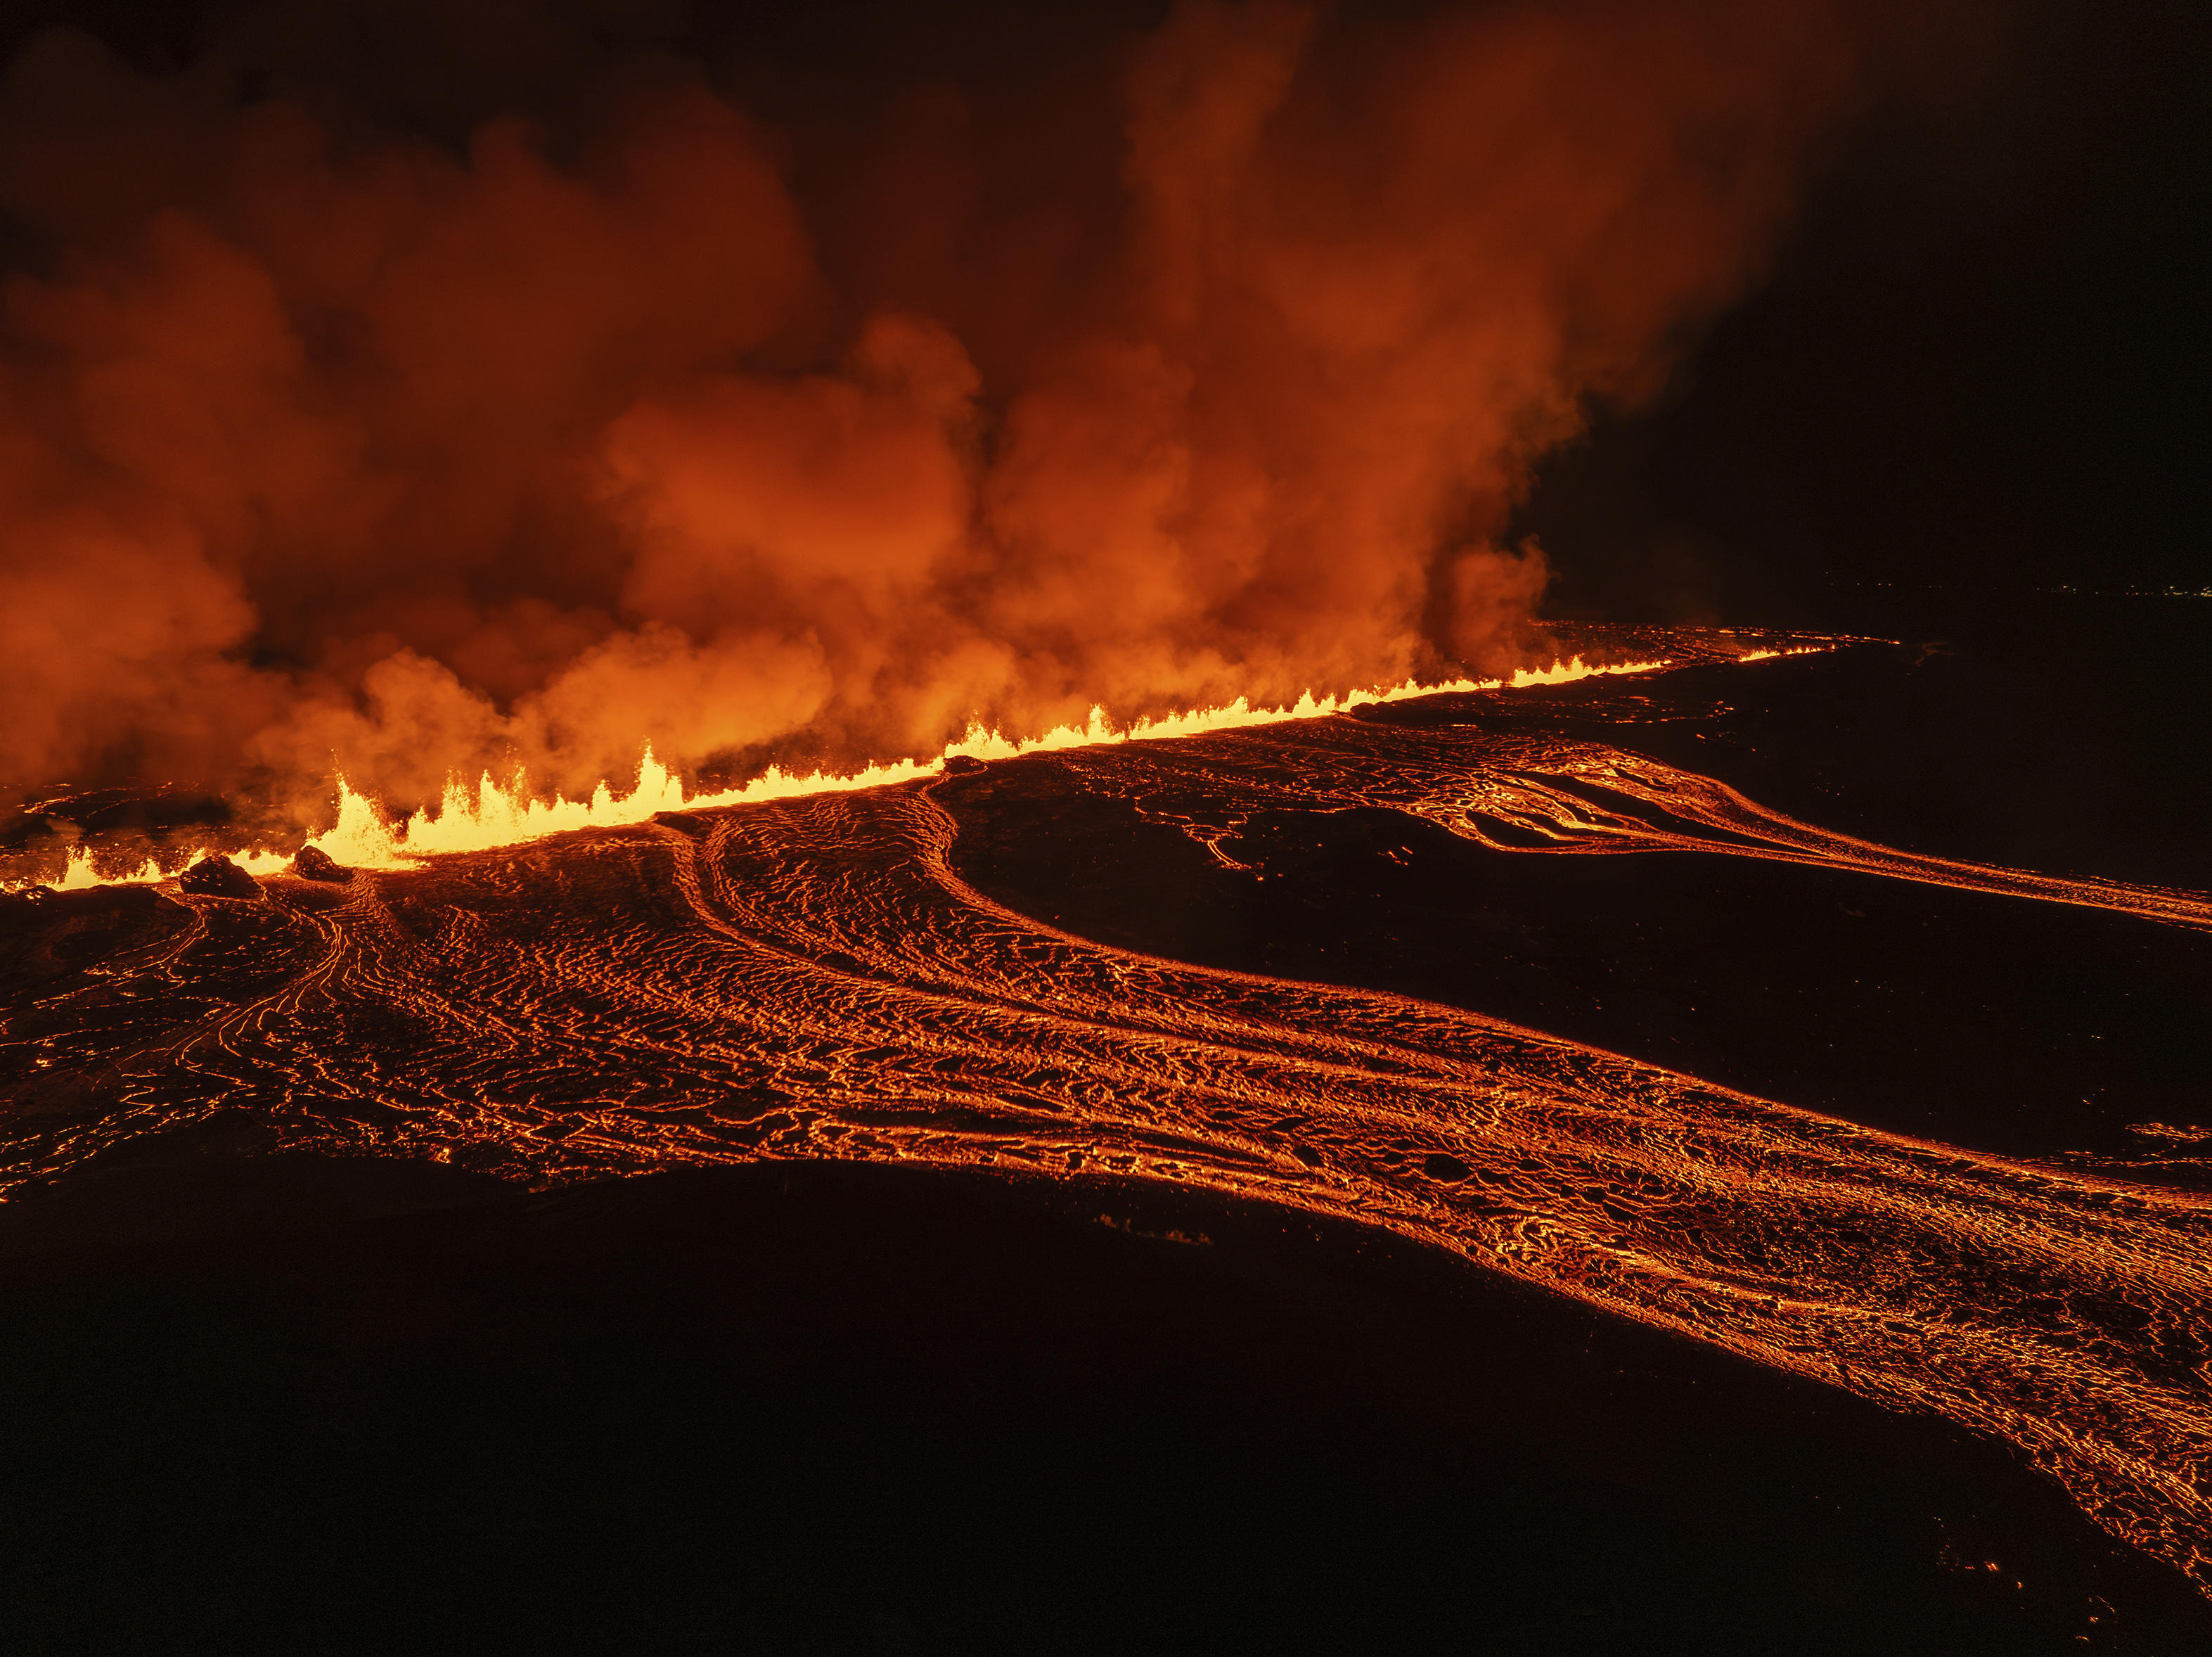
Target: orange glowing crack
(494, 814)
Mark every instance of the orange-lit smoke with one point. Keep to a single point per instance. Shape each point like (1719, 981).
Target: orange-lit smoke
(329, 449)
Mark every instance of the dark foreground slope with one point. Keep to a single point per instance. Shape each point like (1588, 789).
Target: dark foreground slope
(832, 1408)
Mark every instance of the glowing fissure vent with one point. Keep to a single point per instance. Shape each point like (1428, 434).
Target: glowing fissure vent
(491, 815)
(499, 816)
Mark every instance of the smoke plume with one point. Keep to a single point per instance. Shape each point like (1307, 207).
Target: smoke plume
(326, 442)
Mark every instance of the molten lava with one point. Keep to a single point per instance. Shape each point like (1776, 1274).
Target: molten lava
(808, 976)
(498, 816)
(495, 814)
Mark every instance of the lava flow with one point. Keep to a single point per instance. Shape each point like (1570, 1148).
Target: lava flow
(810, 977)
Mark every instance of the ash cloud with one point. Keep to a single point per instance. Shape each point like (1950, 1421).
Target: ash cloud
(331, 440)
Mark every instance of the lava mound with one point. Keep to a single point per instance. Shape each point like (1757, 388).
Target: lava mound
(311, 863)
(218, 877)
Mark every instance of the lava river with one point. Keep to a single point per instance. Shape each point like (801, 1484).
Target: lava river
(812, 978)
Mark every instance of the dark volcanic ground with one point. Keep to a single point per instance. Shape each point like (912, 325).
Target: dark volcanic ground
(830, 1408)
(292, 1403)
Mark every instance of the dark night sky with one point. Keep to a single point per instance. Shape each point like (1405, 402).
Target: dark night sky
(1980, 360)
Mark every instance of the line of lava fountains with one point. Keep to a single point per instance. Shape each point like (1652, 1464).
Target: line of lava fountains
(495, 814)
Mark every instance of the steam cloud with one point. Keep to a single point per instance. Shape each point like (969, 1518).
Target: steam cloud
(326, 445)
